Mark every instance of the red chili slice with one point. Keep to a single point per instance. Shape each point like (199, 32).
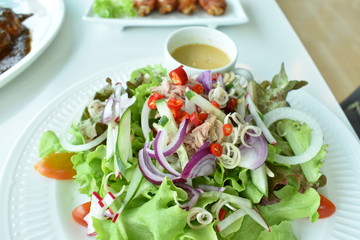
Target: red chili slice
(195, 119)
(175, 103)
(198, 88)
(216, 149)
(179, 76)
(227, 129)
(215, 103)
(153, 98)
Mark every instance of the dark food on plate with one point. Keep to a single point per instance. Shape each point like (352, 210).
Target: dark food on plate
(211, 7)
(14, 38)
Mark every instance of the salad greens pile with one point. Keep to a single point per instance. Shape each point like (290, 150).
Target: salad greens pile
(219, 198)
(114, 8)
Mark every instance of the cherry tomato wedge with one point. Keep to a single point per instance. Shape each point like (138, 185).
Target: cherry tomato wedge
(216, 149)
(227, 129)
(215, 103)
(153, 98)
(326, 208)
(196, 119)
(175, 103)
(80, 212)
(179, 76)
(56, 166)
(198, 88)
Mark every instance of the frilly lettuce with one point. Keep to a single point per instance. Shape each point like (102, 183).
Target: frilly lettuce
(114, 8)
(159, 218)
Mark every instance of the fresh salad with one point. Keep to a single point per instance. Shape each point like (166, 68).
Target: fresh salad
(168, 156)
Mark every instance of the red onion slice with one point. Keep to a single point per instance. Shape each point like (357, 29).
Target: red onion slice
(175, 142)
(255, 156)
(193, 195)
(159, 143)
(202, 163)
(205, 79)
(150, 172)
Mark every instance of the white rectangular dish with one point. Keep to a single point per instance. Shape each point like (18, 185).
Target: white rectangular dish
(233, 15)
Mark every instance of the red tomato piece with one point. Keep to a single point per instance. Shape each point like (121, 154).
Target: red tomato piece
(198, 88)
(215, 103)
(195, 119)
(227, 129)
(216, 149)
(179, 76)
(56, 166)
(80, 212)
(175, 103)
(326, 208)
(153, 98)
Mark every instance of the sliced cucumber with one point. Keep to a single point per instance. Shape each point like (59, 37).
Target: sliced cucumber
(259, 179)
(123, 144)
(205, 104)
(171, 128)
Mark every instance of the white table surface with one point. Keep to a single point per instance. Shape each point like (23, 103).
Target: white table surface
(83, 48)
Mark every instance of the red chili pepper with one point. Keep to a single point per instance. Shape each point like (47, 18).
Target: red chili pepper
(198, 88)
(203, 116)
(222, 214)
(178, 76)
(215, 76)
(175, 103)
(195, 119)
(230, 105)
(216, 149)
(153, 98)
(215, 103)
(227, 129)
(181, 116)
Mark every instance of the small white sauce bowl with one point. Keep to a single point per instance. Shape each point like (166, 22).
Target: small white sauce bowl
(199, 35)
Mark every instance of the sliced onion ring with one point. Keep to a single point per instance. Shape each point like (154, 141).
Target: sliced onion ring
(83, 147)
(316, 139)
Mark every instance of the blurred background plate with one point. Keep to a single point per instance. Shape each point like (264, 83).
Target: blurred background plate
(233, 15)
(44, 25)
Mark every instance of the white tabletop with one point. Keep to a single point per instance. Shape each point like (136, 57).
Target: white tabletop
(83, 48)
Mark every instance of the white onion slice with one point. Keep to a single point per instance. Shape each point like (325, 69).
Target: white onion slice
(145, 112)
(83, 147)
(230, 219)
(253, 110)
(316, 139)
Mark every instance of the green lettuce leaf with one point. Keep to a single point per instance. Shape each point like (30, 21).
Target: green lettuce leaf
(159, 218)
(293, 205)
(271, 95)
(114, 8)
(49, 143)
(206, 233)
(88, 169)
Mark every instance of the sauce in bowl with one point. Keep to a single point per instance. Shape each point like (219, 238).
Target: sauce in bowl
(201, 56)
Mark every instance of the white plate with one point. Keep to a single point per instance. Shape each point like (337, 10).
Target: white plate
(233, 15)
(34, 207)
(44, 25)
